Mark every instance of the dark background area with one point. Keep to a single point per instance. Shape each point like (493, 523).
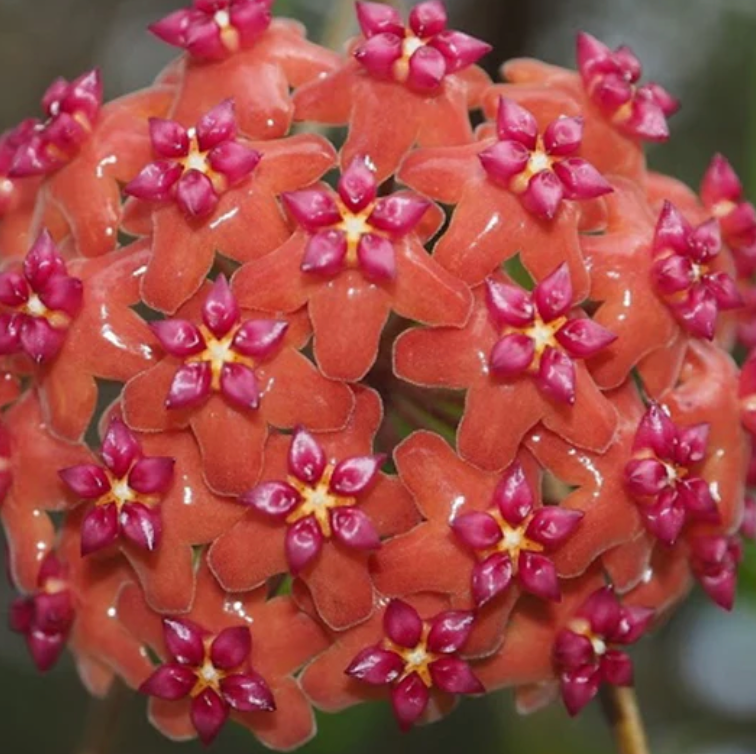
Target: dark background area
(697, 677)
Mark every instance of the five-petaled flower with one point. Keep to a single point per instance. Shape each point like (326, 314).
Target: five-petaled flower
(318, 501)
(416, 655)
(662, 475)
(72, 109)
(538, 338)
(682, 271)
(10, 142)
(213, 670)
(722, 195)
(583, 652)
(42, 301)
(125, 492)
(195, 166)
(610, 78)
(354, 229)
(714, 560)
(541, 168)
(420, 55)
(221, 354)
(46, 616)
(214, 29)
(512, 540)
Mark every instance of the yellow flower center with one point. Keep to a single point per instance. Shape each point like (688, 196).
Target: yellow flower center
(538, 162)
(219, 352)
(196, 159)
(317, 501)
(417, 659)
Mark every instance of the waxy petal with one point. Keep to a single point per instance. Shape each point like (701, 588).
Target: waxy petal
(195, 194)
(276, 499)
(325, 253)
(460, 50)
(234, 161)
(537, 575)
(353, 476)
(580, 179)
(190, 387)
(556, 376)
(184, 641)
(427, 68)
(572, 650)
(552, 526)
(220, 310)
(307, 459)
(141, 525)
(378, 18)
(120, 448)
(515, 123)
(513, 495)
(579, 687)
(617, 668)
(508, 304)
(409, 700)
(88, 481)
(491, 577)
(14, 290)
(170, 682)
(216, 126)
(478, 530)
(40, 339)
(399, 213)
(563, 136)
(504, 160)
(99, 529)
(645, 477)
(152, 475)
(169, 139)
(511, 355)
(354, 529)
(155, 182)
(376, 666)
(603, 611)
(357, 186)
(304, 540)
(247, 692)
(657, 432)
(259, 338)
(43, 261)
(553, 295)
(379, 53)
(313, 209)
(450, 630)
(454, 676)
(665, 518)
(231, 647)
(45, 649)
(428, 19)
(543, 195)
(208, 713)
(583, 338)
(402, 624)
(239, 385)
(376, 257)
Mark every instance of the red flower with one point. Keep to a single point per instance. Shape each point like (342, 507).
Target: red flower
(585, 650)
(520, 379)
(537, 166)
(45, 617)
(232, 375)
(682, 272)
(610, 79)
(714, 561)
(424, 72)
(11, 189)
(319, 511)
(213, 661)
(356, 260)
(195, 166)
(213, 670)
(126, 492)
(415, 656)
(663, 474)
(42, 302)
(183, 247)
(72, 109)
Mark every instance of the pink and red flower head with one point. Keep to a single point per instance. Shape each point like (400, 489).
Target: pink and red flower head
(683, 275)
(420, 55)
(125, 492)
(541, 168)
(72, 109)
(10, 142)
(46, 616)
(355, 228)
(662, 475)
(714, 560)
(195, 166)
(215, 29)
(537, 336)
(39, 303)
(512, 540)
(219, 355)
(213, 670)
(611, 80)
(583, 653)
(318, 501)
(415, 656)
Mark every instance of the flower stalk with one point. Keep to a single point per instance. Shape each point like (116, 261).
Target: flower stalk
(620, 706)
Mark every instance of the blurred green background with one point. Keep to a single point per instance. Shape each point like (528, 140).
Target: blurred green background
(697, 677)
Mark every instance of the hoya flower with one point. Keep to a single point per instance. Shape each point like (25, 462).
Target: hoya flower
(214, 670)
(611, 81)
(45, 617)
(229, 657)
(320, 509)
(40, 303)
(722, 195)
(714, 560)
(244, 221)
(195, 166)
(415, 656)
(520, 358)
(232, 373)
(683, 272)
(72, 109)
(425, 72)
(355, 260)
(125, 492)
(10, 142)
(420, 56)
(541, 168)
(214, 29)
(663, 474)
(587, 650)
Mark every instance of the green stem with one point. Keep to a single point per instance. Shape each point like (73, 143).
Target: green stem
(621, 709)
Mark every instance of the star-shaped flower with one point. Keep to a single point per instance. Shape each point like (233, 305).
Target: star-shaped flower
(356, 258)
(425, 72)
(228, 372)
(515, 357)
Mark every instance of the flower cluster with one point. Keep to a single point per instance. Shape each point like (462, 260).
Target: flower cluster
(466, 421)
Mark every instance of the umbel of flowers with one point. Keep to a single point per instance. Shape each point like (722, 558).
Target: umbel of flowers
(362, 446)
